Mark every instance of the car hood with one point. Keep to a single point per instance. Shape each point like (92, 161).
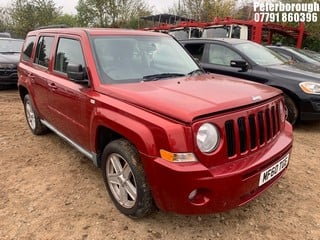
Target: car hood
(187, 98)
(296, 71)
(9, 57)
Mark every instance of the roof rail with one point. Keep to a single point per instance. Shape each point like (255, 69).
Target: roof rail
(53, 26)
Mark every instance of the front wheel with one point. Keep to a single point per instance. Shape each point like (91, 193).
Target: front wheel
(125, 179)
(292, 110)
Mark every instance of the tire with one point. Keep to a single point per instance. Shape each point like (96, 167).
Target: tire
(125, 179)
(32, 118)
(292, 110)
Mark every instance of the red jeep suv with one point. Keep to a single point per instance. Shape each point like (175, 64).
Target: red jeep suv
(164, 133)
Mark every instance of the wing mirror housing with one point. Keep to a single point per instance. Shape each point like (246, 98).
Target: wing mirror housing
(240, 64)
(77, 73)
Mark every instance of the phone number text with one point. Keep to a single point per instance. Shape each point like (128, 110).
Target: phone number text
(286, 17)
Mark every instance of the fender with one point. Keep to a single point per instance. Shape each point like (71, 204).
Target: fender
(134, 131)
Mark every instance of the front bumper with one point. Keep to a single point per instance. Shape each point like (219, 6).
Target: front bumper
(310, 109)
(8, 77)
(218, 188)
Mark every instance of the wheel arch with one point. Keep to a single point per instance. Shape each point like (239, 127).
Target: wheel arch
(106, 131)
(23, 91)
(290, 94)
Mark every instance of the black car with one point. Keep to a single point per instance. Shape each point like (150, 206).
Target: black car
(252, 61)
(9, 57)
(295, 54)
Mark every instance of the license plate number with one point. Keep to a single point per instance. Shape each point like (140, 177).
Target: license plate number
(273, 171)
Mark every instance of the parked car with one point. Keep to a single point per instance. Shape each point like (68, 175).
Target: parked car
(313, 54)
(162, 131)
(295, 54)
(249, 60)
(5, 35)
(9, 57)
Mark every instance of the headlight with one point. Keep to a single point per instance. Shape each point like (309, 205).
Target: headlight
(310, 87)
(207, 138)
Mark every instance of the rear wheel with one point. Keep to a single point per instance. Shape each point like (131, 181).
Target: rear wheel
(292, 110)
(33, 120)
(125, 179)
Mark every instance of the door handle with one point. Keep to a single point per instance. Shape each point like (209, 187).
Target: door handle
(31, 77)
(53, 86)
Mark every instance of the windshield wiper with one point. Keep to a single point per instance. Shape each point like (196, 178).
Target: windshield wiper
(161, 75)
(197, 71)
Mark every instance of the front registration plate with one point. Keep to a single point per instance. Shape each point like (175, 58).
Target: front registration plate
(274, 170)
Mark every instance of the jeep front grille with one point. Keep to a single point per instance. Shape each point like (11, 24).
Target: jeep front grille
(252, 131)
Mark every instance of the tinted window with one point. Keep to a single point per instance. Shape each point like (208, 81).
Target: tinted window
(27, 48)
(69, 51)
(195, 49)
(43, 51)
(222, 55)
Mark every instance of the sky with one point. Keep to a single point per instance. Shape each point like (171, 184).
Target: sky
(68, 6)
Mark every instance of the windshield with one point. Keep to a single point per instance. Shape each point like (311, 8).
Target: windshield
(314, 55)
(10, 45)
(260, 54)
(302, 54)
(180, 34)
(216, 32)
(136, 58)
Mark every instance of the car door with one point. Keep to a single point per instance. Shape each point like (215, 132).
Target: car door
(217, 58)
(39, 73)
(68, 100)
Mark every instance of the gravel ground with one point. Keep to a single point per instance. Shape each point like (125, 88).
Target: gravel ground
(48, 190)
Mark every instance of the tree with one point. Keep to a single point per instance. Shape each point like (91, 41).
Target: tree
(207, 10)
(29, 14)
(5, 20)
(110, 13)
(67, 19)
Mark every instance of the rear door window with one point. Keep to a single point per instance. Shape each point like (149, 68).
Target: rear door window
(27, 48)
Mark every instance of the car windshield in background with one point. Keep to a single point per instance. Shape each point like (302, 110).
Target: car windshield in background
(304, 55)
(10, 45)
(314, 55)
(260, 54)
(141, 58)
(216, 32)
(180, 34)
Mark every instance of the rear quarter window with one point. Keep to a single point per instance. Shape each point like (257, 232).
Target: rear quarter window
(27, 48)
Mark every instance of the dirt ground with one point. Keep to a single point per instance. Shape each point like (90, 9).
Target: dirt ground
(48, 190)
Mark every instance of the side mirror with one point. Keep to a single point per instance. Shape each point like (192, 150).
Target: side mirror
(76, 73)
(239, 64)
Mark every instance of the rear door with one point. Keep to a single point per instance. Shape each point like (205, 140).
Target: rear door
(34, 69)
(41, 61)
